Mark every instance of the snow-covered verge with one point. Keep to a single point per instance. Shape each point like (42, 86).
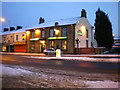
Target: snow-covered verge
(21, 77)
(13, 71)
(113, 60)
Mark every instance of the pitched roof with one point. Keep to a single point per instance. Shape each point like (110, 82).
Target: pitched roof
(67, 21)
(14, 31)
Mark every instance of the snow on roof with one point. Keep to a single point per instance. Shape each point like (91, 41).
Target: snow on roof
(14, 31)
(67, 21)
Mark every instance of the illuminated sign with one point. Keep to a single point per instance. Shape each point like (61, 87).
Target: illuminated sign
(22, 42)
(34, 39)
(79, 33)
(54, 38)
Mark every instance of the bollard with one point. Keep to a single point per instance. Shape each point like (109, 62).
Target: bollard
(58, 53)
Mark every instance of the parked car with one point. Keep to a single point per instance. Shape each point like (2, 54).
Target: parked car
(49, 51)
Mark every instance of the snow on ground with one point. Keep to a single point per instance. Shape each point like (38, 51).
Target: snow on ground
(41, 79)
(13, 71)
(114, 60)
(102, 84)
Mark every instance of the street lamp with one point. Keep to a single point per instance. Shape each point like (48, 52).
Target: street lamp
(77, 42)
(3, 20)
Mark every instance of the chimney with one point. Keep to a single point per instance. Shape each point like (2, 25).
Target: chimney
(83, 13)
(41, 20)
(6, 29)
(12, 28)
(56, 23)
(19, 27)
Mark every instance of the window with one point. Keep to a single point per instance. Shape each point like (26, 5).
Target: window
(64, 44)
(11, 37)
(64, 32)
(52, 44)
(87, 43)
(86, 33)
(16, 37)
(51, 33)
(43, 34)
(23, 35)
(32, 34)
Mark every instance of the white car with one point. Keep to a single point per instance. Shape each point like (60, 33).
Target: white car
(49, 51)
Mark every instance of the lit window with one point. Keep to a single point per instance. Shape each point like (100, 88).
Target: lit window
(51, 33)
(43, 34)
(64, 32)
(51, 44)
(64, 45)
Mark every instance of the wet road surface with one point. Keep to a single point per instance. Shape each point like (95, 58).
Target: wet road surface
(61, 64)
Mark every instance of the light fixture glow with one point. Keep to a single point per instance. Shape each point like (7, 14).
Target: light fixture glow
(37, 31)
(27, 32)
(53, 38)
(34, 39)
(83, 28)
(56, 31)
(2, 20)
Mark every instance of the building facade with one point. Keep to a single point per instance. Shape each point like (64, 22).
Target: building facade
(71, 35)
(14, 41)
(7, 42)
(20, 41)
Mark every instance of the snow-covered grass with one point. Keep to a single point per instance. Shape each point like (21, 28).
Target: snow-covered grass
(54, 80)
(13, 71)
(114, 60)
(102, 84)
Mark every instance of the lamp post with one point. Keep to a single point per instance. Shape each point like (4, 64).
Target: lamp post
(77, 42)
(3, 20)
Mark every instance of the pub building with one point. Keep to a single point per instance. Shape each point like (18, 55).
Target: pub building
(71, 35)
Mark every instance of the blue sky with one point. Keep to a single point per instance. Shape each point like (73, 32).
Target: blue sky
(27, 13)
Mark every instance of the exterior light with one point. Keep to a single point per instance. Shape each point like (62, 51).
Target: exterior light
(113, 35)
(42, 41)
(2, 20)
(27, 32)
(53, 38)
(37, 31)
(83, 28)
(56, 31)
(34, 39)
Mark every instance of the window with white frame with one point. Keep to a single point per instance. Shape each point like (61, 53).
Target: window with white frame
(32, 34)
(16, 37)
(64, 32)
(43, 34)
(51, 33)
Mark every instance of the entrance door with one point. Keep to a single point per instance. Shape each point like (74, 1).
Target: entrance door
(42, 45)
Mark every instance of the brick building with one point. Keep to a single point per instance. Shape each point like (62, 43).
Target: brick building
(71, 35)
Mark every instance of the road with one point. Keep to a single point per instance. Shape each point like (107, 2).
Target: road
(75, 70)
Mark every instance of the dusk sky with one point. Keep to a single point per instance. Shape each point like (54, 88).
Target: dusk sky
(27, 14)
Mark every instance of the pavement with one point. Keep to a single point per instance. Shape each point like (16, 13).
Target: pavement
(79, 57)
